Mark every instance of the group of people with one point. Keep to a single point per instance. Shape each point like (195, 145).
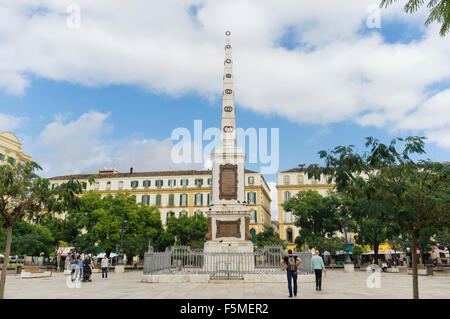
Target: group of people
(291, 264)
(86, 265)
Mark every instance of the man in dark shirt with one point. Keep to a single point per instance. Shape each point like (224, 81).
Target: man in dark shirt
(291, 263)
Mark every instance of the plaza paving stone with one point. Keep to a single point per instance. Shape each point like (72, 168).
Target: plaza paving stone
(337, 284)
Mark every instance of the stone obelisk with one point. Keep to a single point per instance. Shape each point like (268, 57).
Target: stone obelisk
(228, 216)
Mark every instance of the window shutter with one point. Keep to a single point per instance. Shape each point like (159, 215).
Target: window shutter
(201, 199)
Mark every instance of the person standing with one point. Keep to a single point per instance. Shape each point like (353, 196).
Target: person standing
(80, 265)
(105, 263)
(291, 263)
(317, 266)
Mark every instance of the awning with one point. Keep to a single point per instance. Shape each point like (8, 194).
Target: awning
(64, 251)
(386, 252)
(110, 255)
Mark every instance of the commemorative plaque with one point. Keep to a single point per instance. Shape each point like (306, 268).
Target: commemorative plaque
(228, 182)
(228, 228)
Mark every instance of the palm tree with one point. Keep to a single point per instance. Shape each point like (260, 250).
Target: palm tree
(439, 11)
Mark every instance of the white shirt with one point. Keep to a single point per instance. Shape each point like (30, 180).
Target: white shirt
(105, 262)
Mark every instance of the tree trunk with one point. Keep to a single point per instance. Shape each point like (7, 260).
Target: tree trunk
(5, 261)
(375, 252)
(414, 266)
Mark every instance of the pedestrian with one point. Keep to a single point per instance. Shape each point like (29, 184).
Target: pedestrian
(105, 263)
(317, 266)
(87, 269)
(291, 263)
(80, 264)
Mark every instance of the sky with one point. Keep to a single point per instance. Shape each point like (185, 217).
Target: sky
(87, 85)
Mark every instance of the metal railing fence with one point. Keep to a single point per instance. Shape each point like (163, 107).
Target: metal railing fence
(183, 260)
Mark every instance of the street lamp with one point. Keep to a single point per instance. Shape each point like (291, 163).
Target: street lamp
(347, 255)
(122, 229)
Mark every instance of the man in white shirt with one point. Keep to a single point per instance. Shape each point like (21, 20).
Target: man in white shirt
(105, 263)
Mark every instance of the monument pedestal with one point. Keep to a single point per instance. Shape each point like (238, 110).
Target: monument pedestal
(119, 269)
(349, 268)
(228, 246)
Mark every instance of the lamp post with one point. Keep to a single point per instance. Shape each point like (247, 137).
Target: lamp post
(347, 255)
(122, 228)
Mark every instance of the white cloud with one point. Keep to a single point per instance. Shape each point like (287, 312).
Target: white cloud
(10, 122)
(85, 145)
(338, 74)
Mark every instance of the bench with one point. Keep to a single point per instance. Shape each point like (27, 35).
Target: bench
(32, 269)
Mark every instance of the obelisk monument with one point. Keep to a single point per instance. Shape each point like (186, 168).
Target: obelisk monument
(228, 216)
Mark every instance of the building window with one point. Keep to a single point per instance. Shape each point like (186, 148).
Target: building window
(158, 200)
(146, 184)
(146, 200)
(289, 236)
(286, 180)
(120, 185)
(208, 199)
(198, 199)
(251, 198)
(108, 186)
(54, 186)
(183, 213)
(209, 181)
(288, 217)
(171, 200)
(172, 182)
(254, 217)
(11, 160)
(170, 214)
(184, 182)
(199, 182)
(159, 183)
(134, 184)
(198, 213)
(97, 186)
(253, 233)
(183, 199)
(287, 196)
(300, 179)
(251, 180)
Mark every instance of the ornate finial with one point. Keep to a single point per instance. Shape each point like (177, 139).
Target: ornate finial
(227, 33)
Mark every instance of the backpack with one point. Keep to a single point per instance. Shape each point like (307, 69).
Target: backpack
(292, 263)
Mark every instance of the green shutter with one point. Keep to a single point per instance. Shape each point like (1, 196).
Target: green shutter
(201, 199)
(248, 198)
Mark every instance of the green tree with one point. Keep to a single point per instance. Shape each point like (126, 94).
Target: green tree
(317, 217)
(269, 238)
(64, 230)
(190, 231)
(412, 194)
(29, 239)
(25, 195)
(439, 11)
(99, 221)
(418, 191)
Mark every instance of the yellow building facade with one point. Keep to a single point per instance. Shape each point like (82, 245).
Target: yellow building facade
(11, 149)
(177, 193)
(289, 183)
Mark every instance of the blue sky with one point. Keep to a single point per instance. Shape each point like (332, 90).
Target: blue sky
(97, 107)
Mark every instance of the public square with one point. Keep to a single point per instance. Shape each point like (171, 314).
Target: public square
(337, 284)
